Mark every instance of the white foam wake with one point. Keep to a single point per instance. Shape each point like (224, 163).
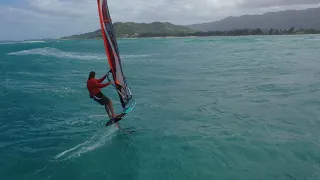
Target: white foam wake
(92, 143)
(53, 52)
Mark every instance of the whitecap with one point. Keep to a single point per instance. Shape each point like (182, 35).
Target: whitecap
(135, 56)
(53, 52)
(33, 42)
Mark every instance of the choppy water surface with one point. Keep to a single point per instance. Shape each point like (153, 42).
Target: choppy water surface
(207, 108)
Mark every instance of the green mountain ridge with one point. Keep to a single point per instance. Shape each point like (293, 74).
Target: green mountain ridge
(271, 23)
(131, 29)
(306, 19)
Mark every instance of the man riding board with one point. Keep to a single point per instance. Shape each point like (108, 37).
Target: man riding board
(94, 87)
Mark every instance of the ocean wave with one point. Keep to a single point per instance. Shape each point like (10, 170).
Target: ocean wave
(63, 90)
(128, 56)
(23, 42)
(53, 52)
(33, 42)
(314, 37)
(11, 42)
(8, 43)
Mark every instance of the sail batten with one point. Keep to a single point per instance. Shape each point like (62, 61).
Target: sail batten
(112, 51)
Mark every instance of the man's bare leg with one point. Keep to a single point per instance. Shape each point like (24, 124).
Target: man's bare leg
(108, 111)
(110, 115)
(118, 126)
(110, 105)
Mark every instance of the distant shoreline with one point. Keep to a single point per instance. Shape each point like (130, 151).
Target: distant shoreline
(155, 37)
(168, 37)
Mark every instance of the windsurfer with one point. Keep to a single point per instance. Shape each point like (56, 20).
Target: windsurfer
(94, 87)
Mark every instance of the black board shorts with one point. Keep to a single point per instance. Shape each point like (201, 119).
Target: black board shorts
(101, 98)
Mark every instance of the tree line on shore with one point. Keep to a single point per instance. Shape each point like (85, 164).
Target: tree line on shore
(236, 32)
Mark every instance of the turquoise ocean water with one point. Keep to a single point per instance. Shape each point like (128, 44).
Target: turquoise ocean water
(207, 108)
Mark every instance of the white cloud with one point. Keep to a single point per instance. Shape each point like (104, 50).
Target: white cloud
(70, 9)
(56, 18)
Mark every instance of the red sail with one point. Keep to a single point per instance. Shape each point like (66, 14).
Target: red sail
(112, 51)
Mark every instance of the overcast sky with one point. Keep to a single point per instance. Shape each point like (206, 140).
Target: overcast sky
(28, 19)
